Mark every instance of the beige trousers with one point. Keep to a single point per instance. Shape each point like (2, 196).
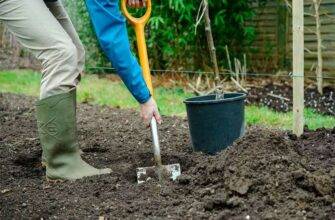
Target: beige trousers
(47, 31)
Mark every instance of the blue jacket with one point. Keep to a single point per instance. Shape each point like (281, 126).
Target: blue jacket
(110, 27)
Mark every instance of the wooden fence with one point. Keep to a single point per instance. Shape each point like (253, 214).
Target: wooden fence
(272, 49)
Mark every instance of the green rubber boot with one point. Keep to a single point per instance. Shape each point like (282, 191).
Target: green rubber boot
(56, 118)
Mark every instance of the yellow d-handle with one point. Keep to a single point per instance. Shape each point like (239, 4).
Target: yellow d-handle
(139, 25)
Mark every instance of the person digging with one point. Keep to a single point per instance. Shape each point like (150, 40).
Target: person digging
(45, 28)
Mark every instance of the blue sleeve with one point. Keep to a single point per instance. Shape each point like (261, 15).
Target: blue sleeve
(110, 28)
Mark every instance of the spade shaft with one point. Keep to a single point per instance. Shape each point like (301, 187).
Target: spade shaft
(139, 26)
(173, 170)
(156, 147)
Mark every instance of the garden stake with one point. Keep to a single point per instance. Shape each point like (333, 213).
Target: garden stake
(161, 171)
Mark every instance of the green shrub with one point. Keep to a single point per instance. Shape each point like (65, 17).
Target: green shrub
(171, 38)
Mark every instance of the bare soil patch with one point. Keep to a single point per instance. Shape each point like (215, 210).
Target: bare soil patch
(267, 174)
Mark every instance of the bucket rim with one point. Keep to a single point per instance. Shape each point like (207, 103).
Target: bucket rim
(239, 96)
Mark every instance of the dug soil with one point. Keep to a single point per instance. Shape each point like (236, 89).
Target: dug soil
(267, 174)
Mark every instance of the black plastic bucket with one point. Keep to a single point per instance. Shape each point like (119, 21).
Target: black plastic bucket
(215, 124)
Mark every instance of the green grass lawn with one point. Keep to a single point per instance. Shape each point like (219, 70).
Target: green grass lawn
(105, 92)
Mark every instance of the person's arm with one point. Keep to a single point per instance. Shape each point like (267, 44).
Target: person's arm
(110, 27)
(111, 31)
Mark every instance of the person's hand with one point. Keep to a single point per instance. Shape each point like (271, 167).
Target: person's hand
(149, 110)
(136, 3)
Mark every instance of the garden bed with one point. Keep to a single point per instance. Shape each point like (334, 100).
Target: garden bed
(279, 98)
(266, 174)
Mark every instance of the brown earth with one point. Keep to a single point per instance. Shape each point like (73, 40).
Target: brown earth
(267, 174)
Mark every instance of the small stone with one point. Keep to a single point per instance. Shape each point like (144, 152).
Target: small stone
(24, 204)
(234, 201)
(4, 191)
(300, 213)
(240, 186)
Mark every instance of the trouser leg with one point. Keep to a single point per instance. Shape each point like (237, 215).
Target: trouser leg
(59, 12)
(35, 27)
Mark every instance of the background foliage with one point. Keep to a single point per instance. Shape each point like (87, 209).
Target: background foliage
(171, 36)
